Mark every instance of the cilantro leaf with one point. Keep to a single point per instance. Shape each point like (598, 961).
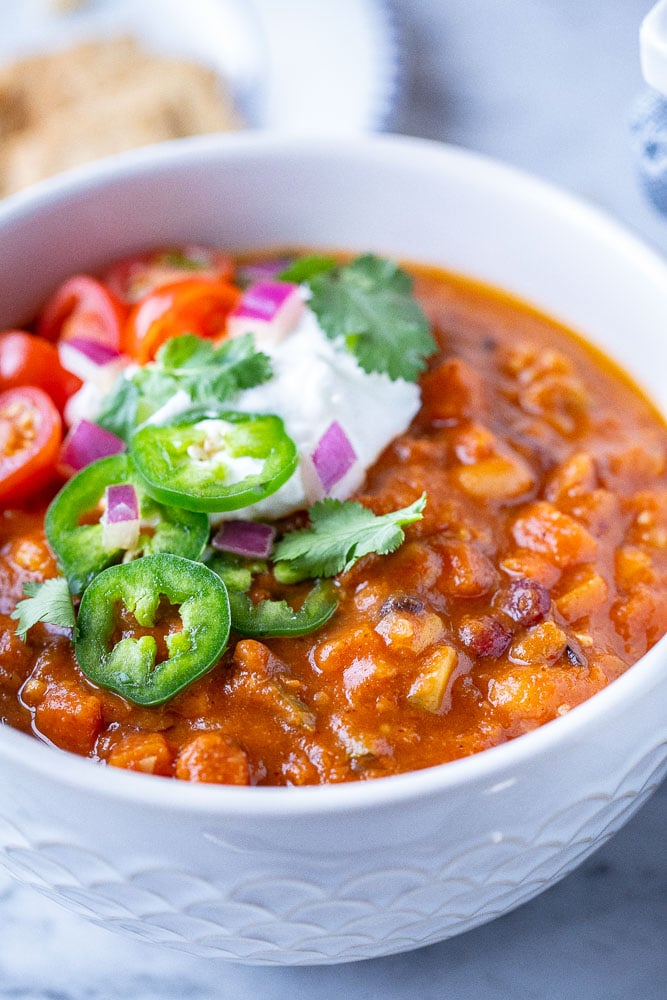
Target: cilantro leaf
(119, 408)
(340, 533)
(44, 602)
(369, 305)
(207, 372)
(212, 373)
(305, 268)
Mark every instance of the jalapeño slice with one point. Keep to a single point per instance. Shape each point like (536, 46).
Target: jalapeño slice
(75, 532)
(131, 667)
(206, 460)
(278, 618)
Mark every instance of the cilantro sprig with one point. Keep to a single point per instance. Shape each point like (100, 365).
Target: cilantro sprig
(368, 304)
(206, 372)
(303, 269)
(340, 533)
(49, 601)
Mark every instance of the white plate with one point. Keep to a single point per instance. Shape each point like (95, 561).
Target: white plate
(306, 66)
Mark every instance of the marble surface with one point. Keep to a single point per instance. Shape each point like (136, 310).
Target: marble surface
(549, 86)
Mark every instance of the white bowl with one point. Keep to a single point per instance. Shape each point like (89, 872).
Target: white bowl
(327, 874)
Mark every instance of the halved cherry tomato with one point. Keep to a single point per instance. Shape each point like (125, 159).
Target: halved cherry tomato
(83, 307)
(26, 359)
(133, 278)
(30, 434)
(198, 306)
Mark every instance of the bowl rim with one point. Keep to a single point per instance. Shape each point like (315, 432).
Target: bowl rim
(495, 768)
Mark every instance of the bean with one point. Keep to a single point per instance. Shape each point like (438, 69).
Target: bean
(402, 602)
(575, 656)
(485, 636)
(527, 601)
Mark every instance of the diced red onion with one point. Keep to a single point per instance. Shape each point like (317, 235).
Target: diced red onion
(120, 521)
(265, 299)
(97, 352)
(85, 443)
(333, 457)
(122, 503)
(263, 270)
(245, 538)
(92, 361)
(267, 309)
(310, 481)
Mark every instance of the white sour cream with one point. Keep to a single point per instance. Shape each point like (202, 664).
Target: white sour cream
(315, 382)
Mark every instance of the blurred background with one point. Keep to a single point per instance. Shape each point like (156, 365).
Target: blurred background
(550, 86)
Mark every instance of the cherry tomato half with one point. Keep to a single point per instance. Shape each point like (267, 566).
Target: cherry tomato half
(197, 306)
(133, 278)
(29, 360)
(30, 434)
(83, 307)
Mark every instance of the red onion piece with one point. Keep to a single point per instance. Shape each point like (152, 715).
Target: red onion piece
(245, 538)
(333, 457)
(122, 503)
(92, 361)
(120, 521)
(85, 443)
(267, 309)
(94, 350)
(264, 270)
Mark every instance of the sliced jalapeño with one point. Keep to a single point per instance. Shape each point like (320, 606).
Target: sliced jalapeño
(278, 618)
(183, 604)
(206, 460)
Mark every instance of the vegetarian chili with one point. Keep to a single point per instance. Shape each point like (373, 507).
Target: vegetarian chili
(502, 560)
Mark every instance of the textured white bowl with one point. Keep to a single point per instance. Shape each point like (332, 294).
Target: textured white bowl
(327, 874)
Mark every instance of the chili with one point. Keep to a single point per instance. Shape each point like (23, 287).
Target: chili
(537, 575)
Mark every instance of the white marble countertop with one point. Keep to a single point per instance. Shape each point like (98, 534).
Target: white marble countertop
(548, 87)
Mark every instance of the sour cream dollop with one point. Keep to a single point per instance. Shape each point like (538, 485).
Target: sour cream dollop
(317, 381)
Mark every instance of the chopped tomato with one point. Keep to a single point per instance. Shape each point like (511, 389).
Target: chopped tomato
(198, 306)
(83, 307)
(133, 278)
(29, 360)
(30, 434)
